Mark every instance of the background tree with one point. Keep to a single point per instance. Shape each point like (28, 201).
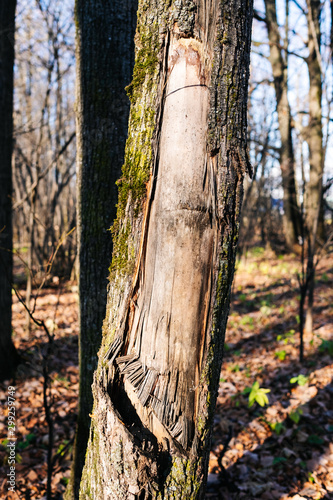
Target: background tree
(8, 355)
(279, 62)
(175, 242)
(105, 58)
(314, 220)
(44, 148)
(280, 94)
(301, 64)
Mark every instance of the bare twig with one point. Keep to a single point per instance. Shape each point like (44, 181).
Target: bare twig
(43, 173)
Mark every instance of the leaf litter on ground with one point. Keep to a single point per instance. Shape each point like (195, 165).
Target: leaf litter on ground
(281, 450)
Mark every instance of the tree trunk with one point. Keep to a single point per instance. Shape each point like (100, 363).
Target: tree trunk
(331, 2)
(291, 216)
(175, 241)
(105, 59)
(8, 355)
(314, 212)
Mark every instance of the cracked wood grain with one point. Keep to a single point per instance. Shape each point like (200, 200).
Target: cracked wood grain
(170, 304)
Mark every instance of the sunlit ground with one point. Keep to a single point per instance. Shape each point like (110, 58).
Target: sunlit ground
(282, 450)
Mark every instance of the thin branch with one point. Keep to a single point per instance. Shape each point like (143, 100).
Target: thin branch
(44, 172)
(300, 7)
(258, 16)
(39, 322)
(315, 38)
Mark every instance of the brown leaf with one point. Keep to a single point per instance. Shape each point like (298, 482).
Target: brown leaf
(32, 476)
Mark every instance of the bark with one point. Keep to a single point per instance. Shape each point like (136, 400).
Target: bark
(314, 132)
(291, 216)
(331, 2)
(314, 212)
(175, 241)
(8, 355)
(105, 59)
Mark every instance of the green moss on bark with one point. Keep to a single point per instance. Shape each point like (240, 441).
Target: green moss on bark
(91, 470)
(183, 480)
(146, 61)
(139, 146)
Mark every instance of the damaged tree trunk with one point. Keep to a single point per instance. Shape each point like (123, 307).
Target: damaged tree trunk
(175, 241)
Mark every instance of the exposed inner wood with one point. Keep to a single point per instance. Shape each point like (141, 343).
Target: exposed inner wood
(160, 356)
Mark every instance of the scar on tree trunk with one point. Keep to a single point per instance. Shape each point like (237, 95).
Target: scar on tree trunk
(168, 308)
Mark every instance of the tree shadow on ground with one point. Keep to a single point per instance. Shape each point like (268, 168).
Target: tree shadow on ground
(64, 353)
(291, 455)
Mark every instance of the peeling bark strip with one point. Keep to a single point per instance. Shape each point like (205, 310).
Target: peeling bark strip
(175, 242)
(179, 223)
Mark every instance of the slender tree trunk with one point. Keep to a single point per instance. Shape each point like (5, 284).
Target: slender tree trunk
(36, 162)
(175, 241)
(105, 59)
(8, 355)
(314, 212)
(291, 216)
(331, 2)
(30, 257)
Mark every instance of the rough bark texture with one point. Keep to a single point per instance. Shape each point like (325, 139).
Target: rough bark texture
(314, 188)
(105, 59)
(175, 240)
(291, 217)
(8, 355)
(314, 133)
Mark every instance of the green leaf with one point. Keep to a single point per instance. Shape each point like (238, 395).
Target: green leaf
(300, 379)
(277, 427)
(251, 400)
(295, 416)
(281, 355)
(314, 439)
(258, 395)
(61, 448)
(326, 345)
(261, 399)
(279, 460)
(29, 439)
(311, 478)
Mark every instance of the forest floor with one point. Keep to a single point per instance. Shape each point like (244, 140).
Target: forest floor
(282, 450)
